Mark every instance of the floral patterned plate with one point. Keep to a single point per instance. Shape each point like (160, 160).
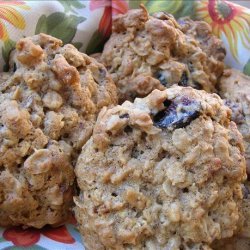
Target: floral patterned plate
(65, 237)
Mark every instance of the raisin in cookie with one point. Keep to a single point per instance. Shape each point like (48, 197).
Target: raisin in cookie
(151, 52)
(235, 88)
(47, 110)
(164, 172)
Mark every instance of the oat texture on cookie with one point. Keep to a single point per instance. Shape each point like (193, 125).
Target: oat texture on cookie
(241, 241)
(154, 52)
(48, 105)
(163, 172)
(234, 87)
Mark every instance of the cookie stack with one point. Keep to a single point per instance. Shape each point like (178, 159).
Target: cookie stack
(138, 137)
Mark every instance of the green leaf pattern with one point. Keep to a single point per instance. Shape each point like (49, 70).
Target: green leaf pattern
(8, 46)
(2, 239)
(246, 69)
(96, 43)
(60, 25)
(178, 8)
(72, 5)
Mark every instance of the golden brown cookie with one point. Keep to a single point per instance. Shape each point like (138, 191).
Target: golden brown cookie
(164, 172)
(47, 110)
(234, 87)
(241, 241)
(152, 52)
(210, 44)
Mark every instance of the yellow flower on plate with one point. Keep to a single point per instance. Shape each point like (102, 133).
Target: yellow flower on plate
(9, 14)
(226, 18)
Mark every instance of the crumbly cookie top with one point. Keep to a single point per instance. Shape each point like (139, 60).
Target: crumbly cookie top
(234, 87)
(61, 88)
(151, 52)
(48, 106)
(210, 44)
(172, 108)
(164, 172)
(242, 239)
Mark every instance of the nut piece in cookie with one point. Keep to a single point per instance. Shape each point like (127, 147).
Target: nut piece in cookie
(164, 172)
(47, 110)
(234, 87)
(153, 52)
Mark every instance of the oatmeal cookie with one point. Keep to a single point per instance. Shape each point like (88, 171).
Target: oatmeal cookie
(210, 44)
(241, 241)
(47, 110)
(151, 52)
(235, 88)
(164, 172)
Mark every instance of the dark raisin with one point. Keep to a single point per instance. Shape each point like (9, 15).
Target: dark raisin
(245, 192)
(128, 129)
(124, 116)
(14, 67)
(160, 76)
(135, 153)
(237, 113)
(181, 22)
(197, 85)
(167, 103)
(221, 50)
(191, 67)
(162, 155)
(95, 209)
(184, 80)
(178, 114)
(102, 73)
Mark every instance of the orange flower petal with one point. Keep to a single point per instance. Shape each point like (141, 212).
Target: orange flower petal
(245, 44)
(232, 40)
(234, 26)
(18, 4)
(242, 30)
(97, 4)
(105, 24)
(21, 237)
(119, 7)
(59, 234)
(246, 17)
(10, 15)
(3, 32)
(216, 30)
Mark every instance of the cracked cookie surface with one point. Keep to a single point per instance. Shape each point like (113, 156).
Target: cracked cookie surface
(47, 110)
(164, 172)
(152, 52)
